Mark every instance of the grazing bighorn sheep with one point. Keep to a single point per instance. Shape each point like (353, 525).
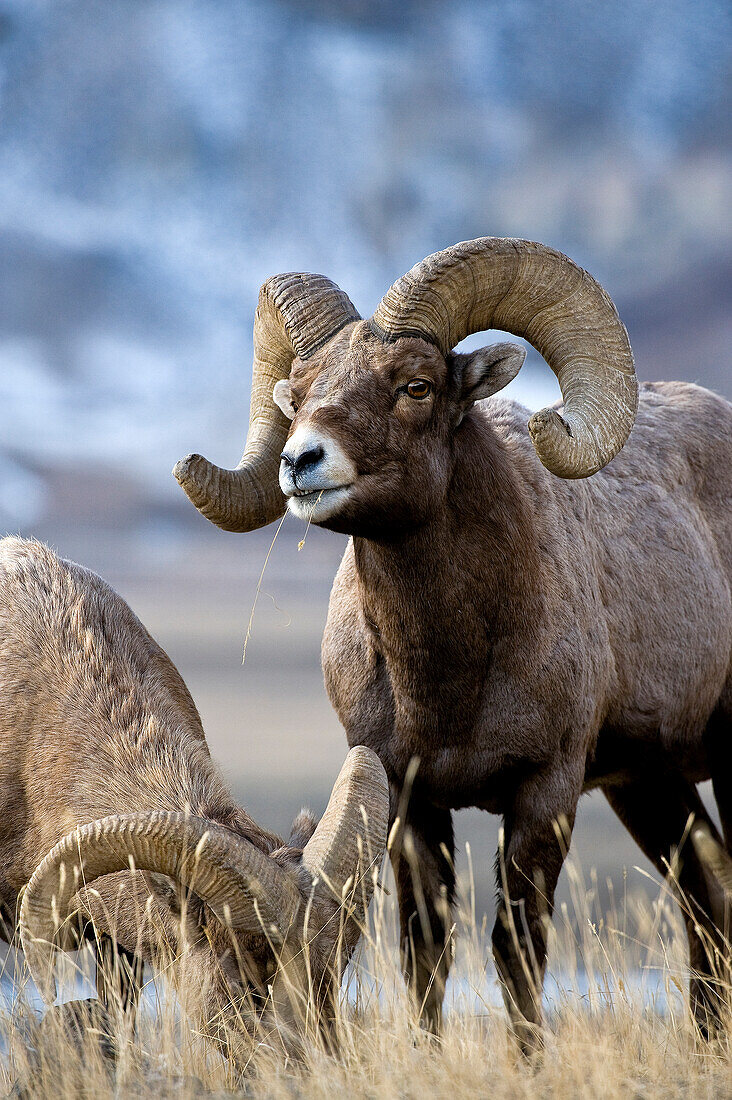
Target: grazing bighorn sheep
(525, 634)
(103, 761)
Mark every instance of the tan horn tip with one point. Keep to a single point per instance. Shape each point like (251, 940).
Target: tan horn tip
(216, 493)
(362, 764)
(194, 474)
(184, 470)
(362, 757)
(559, 452)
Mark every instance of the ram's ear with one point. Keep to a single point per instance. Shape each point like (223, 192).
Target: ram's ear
(487, 370)
(302, 829)
(282, 397)
(185, 907)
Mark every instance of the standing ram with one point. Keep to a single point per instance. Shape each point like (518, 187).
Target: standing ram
(103, 763)
(524, 633)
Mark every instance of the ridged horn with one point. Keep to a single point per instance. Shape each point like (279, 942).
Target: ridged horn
(350, 839)
(227, 872)
(341, 860)
(539, 294)
(297, 313)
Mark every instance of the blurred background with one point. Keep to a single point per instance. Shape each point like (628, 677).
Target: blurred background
(160, 158)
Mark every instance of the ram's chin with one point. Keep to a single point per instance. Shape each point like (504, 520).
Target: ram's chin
(319, 506)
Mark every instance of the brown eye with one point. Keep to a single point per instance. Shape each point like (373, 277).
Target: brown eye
(419, 388)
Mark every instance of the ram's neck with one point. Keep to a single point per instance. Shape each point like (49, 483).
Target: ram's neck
(443, 598)
(153, 762)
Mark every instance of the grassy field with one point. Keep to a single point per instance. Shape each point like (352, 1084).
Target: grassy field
(617, 1026)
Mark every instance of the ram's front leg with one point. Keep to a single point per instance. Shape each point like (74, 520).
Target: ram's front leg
(536, 834)
(422, 856)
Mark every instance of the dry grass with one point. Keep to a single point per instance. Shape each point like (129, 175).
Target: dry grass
(617, 1026)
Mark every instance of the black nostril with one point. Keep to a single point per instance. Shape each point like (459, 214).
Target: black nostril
(307, 458)
(287, 459)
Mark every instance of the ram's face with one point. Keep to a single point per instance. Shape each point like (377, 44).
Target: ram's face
(234, 974)
(370, 425)
(370, 448)
(243, 986)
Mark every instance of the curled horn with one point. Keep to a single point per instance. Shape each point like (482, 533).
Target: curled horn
(350, 839)
(243, 887)
(535, 292)
(296, 315)
(341, 859)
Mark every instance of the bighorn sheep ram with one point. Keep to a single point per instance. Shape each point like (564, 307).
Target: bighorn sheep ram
(527, 635)
(103, 763)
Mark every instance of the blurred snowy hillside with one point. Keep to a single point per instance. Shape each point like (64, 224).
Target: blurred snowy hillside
(160, 158)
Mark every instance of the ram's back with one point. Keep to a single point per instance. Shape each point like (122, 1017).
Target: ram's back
(89, 705)
(656, 527)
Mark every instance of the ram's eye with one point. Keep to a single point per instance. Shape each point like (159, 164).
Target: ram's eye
(419, 388)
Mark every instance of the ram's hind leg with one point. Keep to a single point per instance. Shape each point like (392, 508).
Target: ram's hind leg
(655, 809)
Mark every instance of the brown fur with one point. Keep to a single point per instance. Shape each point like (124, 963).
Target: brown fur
(527, 638)
(96, 720)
